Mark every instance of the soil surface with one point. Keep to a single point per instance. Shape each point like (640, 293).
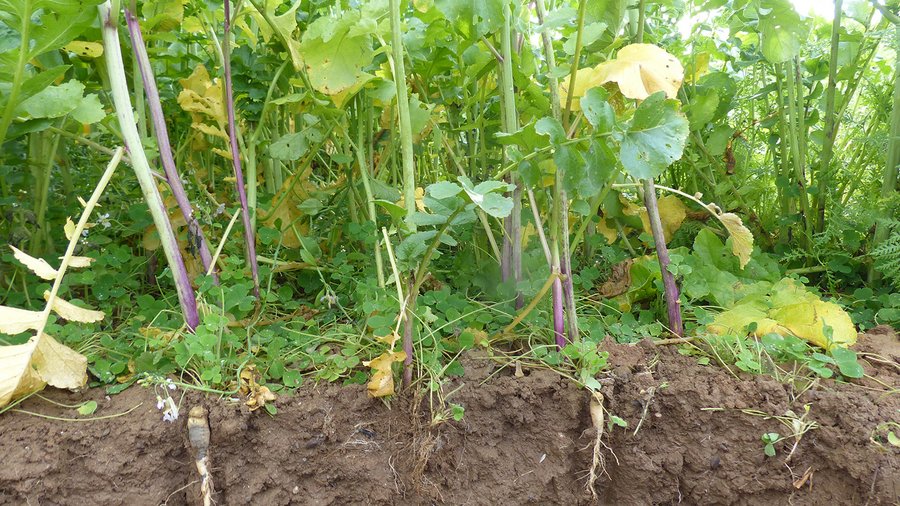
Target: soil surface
(524, 440)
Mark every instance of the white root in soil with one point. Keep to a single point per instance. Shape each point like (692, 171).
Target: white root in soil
(198, 435)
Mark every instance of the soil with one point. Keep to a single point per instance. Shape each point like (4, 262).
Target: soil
(524, 440)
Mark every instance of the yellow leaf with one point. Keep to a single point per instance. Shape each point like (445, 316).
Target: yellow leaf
(741, 238)
(609, 233)
(420, 200)
(639, 70)
(382, 382)
(38, 266)
(85, 49)
(257, 395)
(789, 309)
(72, 312)
(69, 228)
(672, 212)
(807, 320)
(585, 79)
(285, 214)
(15, 321)
(26, 368)
(79, 262)
(389, 339)
(192, 25)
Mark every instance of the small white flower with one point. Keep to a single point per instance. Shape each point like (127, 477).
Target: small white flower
(170, 384)
(159, 402)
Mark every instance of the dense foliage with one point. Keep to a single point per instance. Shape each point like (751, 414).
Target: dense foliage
(416, 179)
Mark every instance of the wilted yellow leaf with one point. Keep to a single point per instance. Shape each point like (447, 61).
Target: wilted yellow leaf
(389, 339)
(609, 233)
(202, 98)
(15, 321)
(789, 309)
(382, 382)
(420, 200)
(585, 79)
(79, 262)
(741, 238)
(38, 266)
(85, 49)
(639, 70)
(807, 320)
(285, 214)
(72, 312)
(69, 228)
(672, 212)
(25, 368)
(257, 395)
(736, 319)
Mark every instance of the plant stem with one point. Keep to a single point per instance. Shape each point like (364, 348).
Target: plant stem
(824, 173)
(511, 262)
(406, 136)
(552, 280)
(889, 180)
(142, 60)
(249, 239)
(579, 23)
(19, 72)
(673, 306)
(125, 114)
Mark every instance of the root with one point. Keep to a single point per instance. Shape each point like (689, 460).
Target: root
(198, 435)
(598, 461)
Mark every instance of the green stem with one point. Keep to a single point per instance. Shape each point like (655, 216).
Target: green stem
(823, 175)
(19, 72)
(406, 136)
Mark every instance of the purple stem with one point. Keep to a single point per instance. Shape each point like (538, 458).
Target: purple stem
(162, 139)
(662, 252)
(559, 326)
(235, 153)
(132, 140)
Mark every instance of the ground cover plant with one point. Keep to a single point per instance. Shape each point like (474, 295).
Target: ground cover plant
(388, 195)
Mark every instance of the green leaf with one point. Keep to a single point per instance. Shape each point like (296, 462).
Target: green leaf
(781, 30)
(443, 189)
(703, 105)
(41, 80)
(396, 212)
(335, 53)
(552, 128)
(289, 147)
(414, 246)
(846, 362)
(88, 408)
(597, 110)
(54, 101)
(427, 219)
(600, 167)
(493, 204)
(89, 110)
(473, 17)
(893, 439)
(655, 138)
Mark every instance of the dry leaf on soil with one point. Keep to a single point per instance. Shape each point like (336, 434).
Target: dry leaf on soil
(25, 368)
(257, 395)
(790, 309)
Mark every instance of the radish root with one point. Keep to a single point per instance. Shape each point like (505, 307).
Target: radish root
(198, 435)
(598, 463)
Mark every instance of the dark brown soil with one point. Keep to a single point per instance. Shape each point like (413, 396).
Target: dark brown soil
(524, 440)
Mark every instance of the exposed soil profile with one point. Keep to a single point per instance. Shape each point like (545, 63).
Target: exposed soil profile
(524, 440)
